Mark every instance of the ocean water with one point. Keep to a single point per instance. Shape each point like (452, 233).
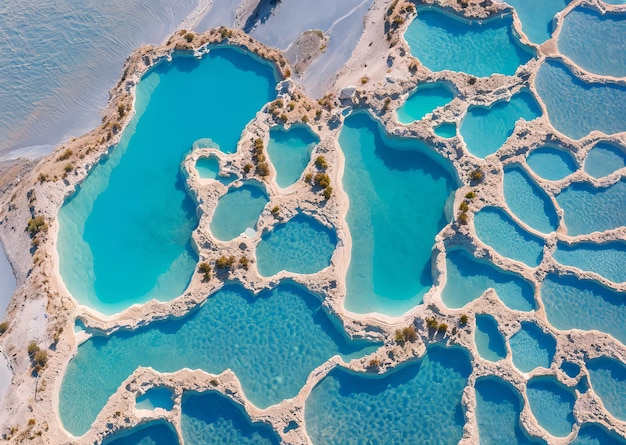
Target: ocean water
(301, 245)
(271, 342)
(398, 191)
(481, 48)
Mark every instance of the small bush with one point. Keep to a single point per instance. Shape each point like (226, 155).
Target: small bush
(386, 104)
(42, 178)
(471, 80)
(463, 207)
(364, 80)
(224, 262)
(305, 119)
(399, 337)
(36, 225)
(477, 175)
(327, 193)
(320, 162)
(322, 180)
(373, 364)
(275, 210)
(32, 348)
(308, 178)
(442, 328)
(263, 169)
(244, 262)
(462, 218)
(65, 155)
(463, 320)
(121, 110)
(189, 37)
(205, 268)
(431, 323)
(409, 333)
(41, 358)
(247, 168)
(214, 382)
(3, 327)
(68, 167)
(470, 195)
(291, 106)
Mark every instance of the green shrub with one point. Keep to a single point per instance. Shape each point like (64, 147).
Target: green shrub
(463, 207)
(40, 358)
(3, 327)
(477, 175)
(322, 180)
(431, 323)
(244, 262)
(373, 364)
(308, 178)
(409, 333)
(224, 262)
(442, 328)
(470, 195)
(205, 268)
(36, 225)
(32, 348)
(320, 162)
(462, 218)
(275, 211)
(263, 169)
(399, 337)
(68, 167)
(65, 155)
(247, 168)
(189, 37)
(463, 320)
(42, 178)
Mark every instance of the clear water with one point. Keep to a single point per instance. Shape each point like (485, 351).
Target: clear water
(592, 52)
(537, 17)
(158, 432)
(135, 201)
(55, 75)
(532, 348)
(498, 407)
(271, 342)
(426, 98)
(596, 434)
(290, 152)
(237, 211)
(588, 209)
(486, 129)
(551, 163)
(608, 380)
(158, 397)
(606, 260)
(574, 107)
(552, 404)
(571, 369)
(497, 230)
(489, 340)
(604, 159)
(581, 304)
(403, 405)
(481, 48)
(212, 418)
(528, 201)
(397, 191)
(468, 278)
(301, 245)
(8, 282)
(208, 168)
(446, 130)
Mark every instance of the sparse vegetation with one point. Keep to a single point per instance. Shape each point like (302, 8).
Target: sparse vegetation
(37, 225)
(308, 178)
(373, 364)
(189, 37)
(463, 320)
(477, 176)
(442, 328)
(470, 195)
(205, 268)
(244, 262)
(213, 382)
(275, 211)
(225, 262)
(408, 334)
(364, 80)
(121, 110)
(463, 207)
(386, 104)
(65, 155)
(322, 180)
(68, 167)
(42, 178)
(3, 327)
(431, 323)
(247, 168)
(320, 162)
(462, 218)
(327, 193)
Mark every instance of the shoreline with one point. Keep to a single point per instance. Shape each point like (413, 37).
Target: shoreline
(60, 309)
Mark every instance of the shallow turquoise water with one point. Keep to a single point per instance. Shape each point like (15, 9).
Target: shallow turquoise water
(575, 108)
(135, 201)
(528, 201)
(485, 129)
(446, 130)
(208, 168)
(397, 191)
(426, 98)
(496, 229)
(158, 397)
(537, 17)
(238, 210)
(596, 434)
(272, 342)
(152, 433)
(588, 209)
(604, 159)
(480, 49)
(582, 304)
(592, 52)
(551, 163)
(608, 380)
(532, 348)
(468, 278)
(606, 260)
(290, 152)
(301, 245)
(211, 418)
(489, 340)
(498, 407)
(552, 404)
(404, 405)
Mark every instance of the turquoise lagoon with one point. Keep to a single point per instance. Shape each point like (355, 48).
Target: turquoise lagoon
(608, 380)
(587, 209)
(592, 52)
(532, 348)
(607, 259)
(489, 340)
(604, 159)
(596, 434)
(208, 168)
(574, 107)
(552, 404)
(301, 245)
(537, 17)
(158, 397)
(446, 130)
(290, 152)
(212, 418)
(551, 163)
(498, 408)
(528, 201)
(498, 230)
(135, 201)
(426, 98)
(157, 432)
(468, 278)
(486, 129)
(571, 303)
(271, 341)
(481, 48)
(398, 189)
(418, 402)
(238, 211)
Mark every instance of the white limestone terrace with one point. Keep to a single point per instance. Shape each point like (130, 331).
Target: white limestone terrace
(43, 309)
